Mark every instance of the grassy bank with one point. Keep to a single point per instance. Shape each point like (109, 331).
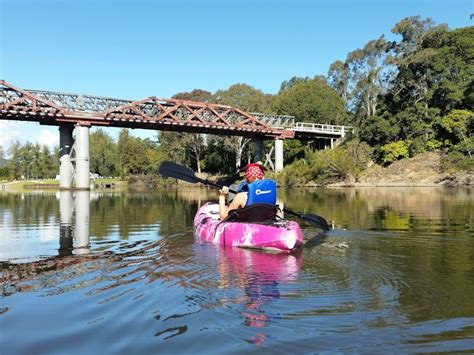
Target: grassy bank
(54, 184)
(343, 168)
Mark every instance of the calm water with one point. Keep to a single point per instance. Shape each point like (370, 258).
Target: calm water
(120, 272)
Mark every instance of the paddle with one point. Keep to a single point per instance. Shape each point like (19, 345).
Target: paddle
(176, 171)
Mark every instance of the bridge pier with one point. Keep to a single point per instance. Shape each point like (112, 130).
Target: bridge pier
(74, 168)
(258, 150)
(66, 169)
(82, 157)
(278, 155)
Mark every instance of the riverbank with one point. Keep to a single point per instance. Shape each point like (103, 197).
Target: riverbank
(19, 185)
(425, 169)
(422, 170)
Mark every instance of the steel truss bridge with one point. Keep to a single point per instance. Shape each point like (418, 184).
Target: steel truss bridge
(72, 112)
(56, 108)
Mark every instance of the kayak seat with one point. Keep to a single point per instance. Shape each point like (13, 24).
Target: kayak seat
(258, 213)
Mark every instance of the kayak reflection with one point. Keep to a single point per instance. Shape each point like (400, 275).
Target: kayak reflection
(260, 275)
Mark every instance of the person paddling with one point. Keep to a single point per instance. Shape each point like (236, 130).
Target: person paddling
(255, 189)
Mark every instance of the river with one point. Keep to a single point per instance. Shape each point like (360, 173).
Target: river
(119, 272)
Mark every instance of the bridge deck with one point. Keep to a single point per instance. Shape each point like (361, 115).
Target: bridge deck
(57, 108)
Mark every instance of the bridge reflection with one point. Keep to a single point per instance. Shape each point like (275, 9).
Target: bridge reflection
(74, 234)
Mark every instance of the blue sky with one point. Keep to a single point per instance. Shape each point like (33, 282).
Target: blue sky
(135, 49)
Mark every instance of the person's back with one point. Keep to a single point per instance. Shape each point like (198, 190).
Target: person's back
(261, 191)
(257, 189)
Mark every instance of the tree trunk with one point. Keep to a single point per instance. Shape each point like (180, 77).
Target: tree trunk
(198, 163)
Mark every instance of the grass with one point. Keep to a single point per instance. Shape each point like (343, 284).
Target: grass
(20, 184)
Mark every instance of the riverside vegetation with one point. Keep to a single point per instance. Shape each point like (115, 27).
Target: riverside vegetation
(403, 98)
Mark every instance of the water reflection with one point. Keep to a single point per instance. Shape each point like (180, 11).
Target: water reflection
(260, 275)
(39, 225)
(76, 242)
(403, 280)
(395, 208)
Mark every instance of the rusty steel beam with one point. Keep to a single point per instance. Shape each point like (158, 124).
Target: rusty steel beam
(150, 113)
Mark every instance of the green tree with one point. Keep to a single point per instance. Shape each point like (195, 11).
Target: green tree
(245, 98)
(339, 78)
(49, 162)
(248, 99)
(416, 56)
(311, 101)
(288, 84)
(460, 123)
(192, 143)
(434, 71)
(25, 161)
(218, 157)
(35, 161)
(394, 151)
(103, 154)
(132, 157)
(171, 146)
(14, 164)
(4, 171)
(195, 95)
(367, 76)
(451, 69)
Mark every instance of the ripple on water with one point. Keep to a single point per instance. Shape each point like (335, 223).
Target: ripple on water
(405, 285)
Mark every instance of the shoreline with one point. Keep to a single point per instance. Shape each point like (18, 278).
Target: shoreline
(335, 186)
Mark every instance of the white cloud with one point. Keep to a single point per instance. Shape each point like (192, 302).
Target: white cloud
(48, 138)
(8, 134)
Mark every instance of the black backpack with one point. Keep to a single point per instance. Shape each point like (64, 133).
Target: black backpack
(256, 213)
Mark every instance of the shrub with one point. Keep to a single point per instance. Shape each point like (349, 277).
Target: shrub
(394, 151)
(456, 161)
(296, 173)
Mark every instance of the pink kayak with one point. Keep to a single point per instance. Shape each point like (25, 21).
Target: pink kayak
(282, 235)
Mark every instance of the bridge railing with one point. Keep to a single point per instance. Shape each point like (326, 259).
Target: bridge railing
(276, 121)
(97, 104)
(321, 128)
(78, 102)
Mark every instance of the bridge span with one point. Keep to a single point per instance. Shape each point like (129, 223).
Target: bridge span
(75, 112)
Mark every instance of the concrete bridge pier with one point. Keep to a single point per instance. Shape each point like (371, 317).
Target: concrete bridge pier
(82, 157)
(66, 169)
(74, 157)
(258, 150)
(278, 155)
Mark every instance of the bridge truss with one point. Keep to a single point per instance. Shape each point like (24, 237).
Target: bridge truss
(79, 112)
(53, 108)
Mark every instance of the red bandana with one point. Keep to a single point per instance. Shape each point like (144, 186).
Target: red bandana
(253, 172)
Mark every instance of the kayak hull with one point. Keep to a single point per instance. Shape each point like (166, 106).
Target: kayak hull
(282, 236)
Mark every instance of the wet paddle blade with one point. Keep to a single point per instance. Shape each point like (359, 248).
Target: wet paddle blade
(176, 171)
(316, 220)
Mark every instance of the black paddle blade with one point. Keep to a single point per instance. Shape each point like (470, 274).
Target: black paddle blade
(316, 220)
(176, 171)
